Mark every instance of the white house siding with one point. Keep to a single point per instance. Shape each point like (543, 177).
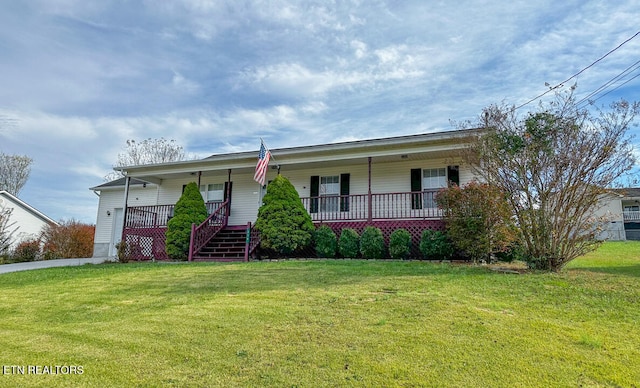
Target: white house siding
(611, 209)
(386, 177)
(27, 223)
(110, 200)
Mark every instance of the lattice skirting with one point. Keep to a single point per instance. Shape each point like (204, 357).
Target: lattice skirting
(149, 243)
(146, 243)
(415, 227)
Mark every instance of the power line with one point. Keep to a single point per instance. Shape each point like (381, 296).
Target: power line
(618, 77)
(561, 84)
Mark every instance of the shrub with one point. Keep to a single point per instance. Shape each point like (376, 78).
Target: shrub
(68, 239)
(283, 222)
(349, 243)
(399, 244)
(372, 243)
(478, 219)
(190, 209)
(28, 250)
(326, 242)
(124, 252)
(435, 245)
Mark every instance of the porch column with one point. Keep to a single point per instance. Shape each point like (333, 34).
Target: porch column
(229, 192)
(127, 182)
(369, 197)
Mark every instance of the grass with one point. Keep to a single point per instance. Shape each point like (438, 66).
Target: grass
(326, 323)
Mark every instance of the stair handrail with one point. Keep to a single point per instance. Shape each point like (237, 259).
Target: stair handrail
(203, 233)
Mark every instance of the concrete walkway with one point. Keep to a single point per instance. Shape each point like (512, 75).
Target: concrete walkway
(5, 268)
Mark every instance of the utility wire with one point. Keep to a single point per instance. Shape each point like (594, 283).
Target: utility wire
(561, 84)
(619, 86)
(618, 77)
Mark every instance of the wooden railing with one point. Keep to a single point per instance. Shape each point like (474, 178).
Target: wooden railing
(407, 205)
(156, 216)
(203, 233)
(631, 216)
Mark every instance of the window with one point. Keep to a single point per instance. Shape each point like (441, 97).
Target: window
(433, 178)
(632, 208)
(329, 188)
(212, 192)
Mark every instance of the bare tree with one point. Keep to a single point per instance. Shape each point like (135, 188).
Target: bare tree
(14, 172)
(7, 230)
(556, 164)
(148, 151)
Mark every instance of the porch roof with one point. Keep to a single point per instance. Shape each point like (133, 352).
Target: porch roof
(422, 146)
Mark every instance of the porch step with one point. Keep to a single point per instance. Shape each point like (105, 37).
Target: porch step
(228, 245)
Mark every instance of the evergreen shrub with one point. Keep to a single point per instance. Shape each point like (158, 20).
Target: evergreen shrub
(435, 245)
(349, 243)
(400, 244)
(190, 209)
(326, 242)
(372, 243)
(284, 224)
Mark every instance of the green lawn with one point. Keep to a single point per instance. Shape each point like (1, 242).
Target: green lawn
(326, 323)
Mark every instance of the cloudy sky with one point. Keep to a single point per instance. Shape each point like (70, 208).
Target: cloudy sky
(79, 78)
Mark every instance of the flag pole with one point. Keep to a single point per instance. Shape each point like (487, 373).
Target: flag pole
(272, 158)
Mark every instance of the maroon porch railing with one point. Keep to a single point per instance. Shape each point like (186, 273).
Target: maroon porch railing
(203, 233)
(156, 216)
(370, 207)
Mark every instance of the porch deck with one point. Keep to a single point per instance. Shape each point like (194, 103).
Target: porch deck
(145, 226)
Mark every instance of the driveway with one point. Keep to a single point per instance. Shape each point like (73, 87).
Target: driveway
(5, 268)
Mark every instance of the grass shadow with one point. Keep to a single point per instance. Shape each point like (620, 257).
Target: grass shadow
(627, 270)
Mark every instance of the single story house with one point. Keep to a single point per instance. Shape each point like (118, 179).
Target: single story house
(25, 222)
(387, 182)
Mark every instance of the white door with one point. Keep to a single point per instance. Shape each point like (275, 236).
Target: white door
(117, 231)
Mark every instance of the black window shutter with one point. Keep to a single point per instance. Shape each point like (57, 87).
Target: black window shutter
(314, 192)
(344, 192)
(416, 186)
(453, 175)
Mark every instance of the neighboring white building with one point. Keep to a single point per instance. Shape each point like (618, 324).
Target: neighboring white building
(26, 220)
(630, 206)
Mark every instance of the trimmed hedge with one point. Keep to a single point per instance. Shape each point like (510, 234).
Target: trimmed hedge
(400, 244)
(326, 242)
(436, 245)
(372, 244)
(349, 243)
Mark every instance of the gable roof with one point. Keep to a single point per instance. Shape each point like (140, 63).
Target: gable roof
(12, 199)
(629, 192)
(120, 182)
(435, 144)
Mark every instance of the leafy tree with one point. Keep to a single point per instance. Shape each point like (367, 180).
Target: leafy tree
(14, 172)
(190, 209)
(400, 244)
(555, 164)
(283, 222)
(148, 151)
(478, 219)
(68, 239)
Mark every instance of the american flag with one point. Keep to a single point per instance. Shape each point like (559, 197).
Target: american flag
(263, 163)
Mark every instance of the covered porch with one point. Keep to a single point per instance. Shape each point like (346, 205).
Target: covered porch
(145, 226)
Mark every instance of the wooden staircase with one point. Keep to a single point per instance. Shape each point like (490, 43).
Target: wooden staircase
(227, 245)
